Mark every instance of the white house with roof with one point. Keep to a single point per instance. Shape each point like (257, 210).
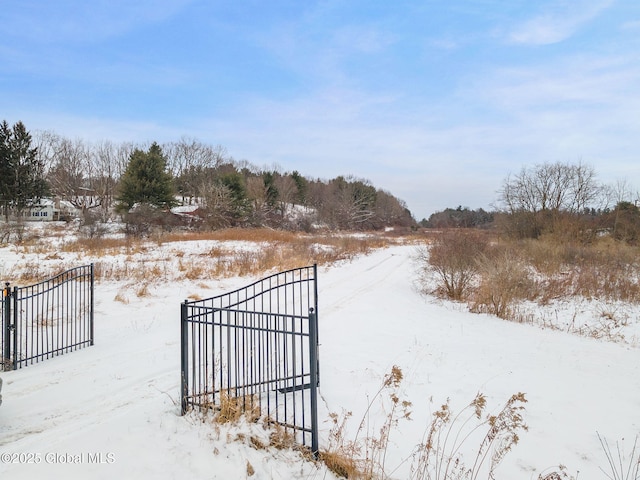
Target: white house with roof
(43, 211)
(48, 210)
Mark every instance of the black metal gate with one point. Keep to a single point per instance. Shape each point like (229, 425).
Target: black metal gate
(47, 319)
(259, 346)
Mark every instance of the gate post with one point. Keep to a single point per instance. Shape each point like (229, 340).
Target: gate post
(314, 380)
(91, 307)
(315, 296)
(14, 328)
(6, 326)
(184, 358)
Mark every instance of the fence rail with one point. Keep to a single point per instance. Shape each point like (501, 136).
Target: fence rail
(257, 345)
(47, 319)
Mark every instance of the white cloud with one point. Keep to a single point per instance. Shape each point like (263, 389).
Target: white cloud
(631, 25)
(80, 21)
(558, 22)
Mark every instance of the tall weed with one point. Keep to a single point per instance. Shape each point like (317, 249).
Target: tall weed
(489, 437)
(621, 465)
(364, 457)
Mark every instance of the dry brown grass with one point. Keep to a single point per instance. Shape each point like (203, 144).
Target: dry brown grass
(364, 456)
(230, 408)
(121, 297)
(101, 247)
(497, 279)
(263, 251)
(489, 436)
(342, 463)
(342, 456)
(504, 280)
(281, 437)
(605, 269)
(143, 290)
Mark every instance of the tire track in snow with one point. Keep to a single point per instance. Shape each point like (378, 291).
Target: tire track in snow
(104, 399)
(379, 272)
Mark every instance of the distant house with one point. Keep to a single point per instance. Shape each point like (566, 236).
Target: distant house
(43, 211)
(49, 210)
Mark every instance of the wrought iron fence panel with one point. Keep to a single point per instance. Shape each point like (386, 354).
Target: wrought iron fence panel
(257, 346)
(49, 318)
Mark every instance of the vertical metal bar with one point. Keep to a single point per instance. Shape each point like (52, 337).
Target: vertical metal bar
(50, 332)
(200, 365)
(73, 289)
(15, 328)
(313, 360)
(315, 311)
(29, 350)
(67, 311)
(194, 355)
(184, 358)
(6, 322)
(91, 305)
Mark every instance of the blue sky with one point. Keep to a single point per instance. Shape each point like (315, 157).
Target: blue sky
(434, 101)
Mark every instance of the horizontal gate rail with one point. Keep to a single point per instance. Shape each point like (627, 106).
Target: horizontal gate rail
(48, 319)
(258, 345)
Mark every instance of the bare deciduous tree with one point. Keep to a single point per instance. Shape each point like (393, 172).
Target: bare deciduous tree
(550, 186)
(189, 160)
(548, 198)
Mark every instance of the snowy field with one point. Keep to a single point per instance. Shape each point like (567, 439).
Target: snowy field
(111, 411)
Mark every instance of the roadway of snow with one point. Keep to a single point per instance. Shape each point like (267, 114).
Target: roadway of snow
(111, 410)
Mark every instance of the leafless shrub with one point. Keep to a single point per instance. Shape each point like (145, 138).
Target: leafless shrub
(92, 226)
(504, 279)
(605, 269)
(497, 277)
(454, 257)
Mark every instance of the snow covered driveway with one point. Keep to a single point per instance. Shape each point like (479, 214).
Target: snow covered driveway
(111, 411)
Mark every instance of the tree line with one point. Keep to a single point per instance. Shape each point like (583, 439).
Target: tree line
(553, 199)
(106, 178)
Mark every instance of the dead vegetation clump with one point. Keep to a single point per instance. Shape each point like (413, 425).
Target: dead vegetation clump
(468, 445)
(494, 276)
(504, 280)
(603, 269)
(229, 408)
(223, 254)
(486, 438)
(454, 257)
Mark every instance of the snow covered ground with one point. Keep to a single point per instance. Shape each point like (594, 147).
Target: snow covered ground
(111, 411)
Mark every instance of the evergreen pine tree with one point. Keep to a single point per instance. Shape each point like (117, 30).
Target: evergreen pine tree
(7, 169)
(302, 186)
(146, 180)
(22, 179)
